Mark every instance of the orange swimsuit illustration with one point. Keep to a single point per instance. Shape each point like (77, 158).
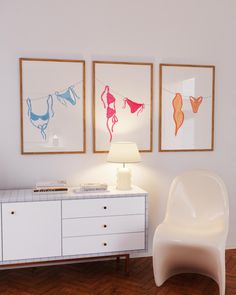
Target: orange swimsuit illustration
(110, 107)
(195, 102)
(178, 115)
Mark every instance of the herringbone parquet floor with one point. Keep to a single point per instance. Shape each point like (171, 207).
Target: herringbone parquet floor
(102, 278)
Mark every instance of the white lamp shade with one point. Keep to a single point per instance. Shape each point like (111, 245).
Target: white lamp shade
(123, 152)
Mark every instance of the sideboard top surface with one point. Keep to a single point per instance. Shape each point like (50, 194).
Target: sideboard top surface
(27, 195)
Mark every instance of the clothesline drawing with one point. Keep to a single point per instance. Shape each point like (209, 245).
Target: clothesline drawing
(109, 104)
(186, 107)
(121, 96)
(183, 95)
(54, 92)
(52, 105)
(134, 106)
(122, 103)
(178, 114)
(110, 107)
(195, 103)
(68, 95)
(177, 104)
(41, 121)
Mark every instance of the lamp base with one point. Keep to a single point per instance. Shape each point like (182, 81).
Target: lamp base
(123, 181)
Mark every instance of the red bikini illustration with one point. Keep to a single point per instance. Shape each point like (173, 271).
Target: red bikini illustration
(109, 103)
(134, 106)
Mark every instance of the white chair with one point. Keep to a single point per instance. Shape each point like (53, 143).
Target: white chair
(193, 234)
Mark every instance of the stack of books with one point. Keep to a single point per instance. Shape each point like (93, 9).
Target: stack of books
(92, 187)
(51, 186)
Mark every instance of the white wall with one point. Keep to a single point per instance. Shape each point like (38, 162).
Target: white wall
(183, 31)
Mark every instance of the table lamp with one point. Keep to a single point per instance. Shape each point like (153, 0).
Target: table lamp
(123, 152)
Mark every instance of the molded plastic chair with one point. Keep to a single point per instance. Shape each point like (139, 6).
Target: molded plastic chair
(193, 234)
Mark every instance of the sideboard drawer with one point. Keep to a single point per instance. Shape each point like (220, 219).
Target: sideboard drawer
(103, 207)
(101, 244)
(103, 225)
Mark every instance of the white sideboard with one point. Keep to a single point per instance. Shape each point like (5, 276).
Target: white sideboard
(38, 228)
(0, 235)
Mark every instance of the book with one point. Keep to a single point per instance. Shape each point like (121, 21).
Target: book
(88, 187)
(50, 189)
(52, 183)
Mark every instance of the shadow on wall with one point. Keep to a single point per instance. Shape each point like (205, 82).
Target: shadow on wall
(97, 173)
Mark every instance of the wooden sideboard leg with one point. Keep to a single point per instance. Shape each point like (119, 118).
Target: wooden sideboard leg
(117, 262)
(127, 264)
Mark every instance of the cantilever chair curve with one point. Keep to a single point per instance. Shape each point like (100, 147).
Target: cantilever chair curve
(193, 234)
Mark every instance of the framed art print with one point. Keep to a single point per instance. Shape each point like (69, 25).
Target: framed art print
(122, 104)
(186, 107)
(52, 106)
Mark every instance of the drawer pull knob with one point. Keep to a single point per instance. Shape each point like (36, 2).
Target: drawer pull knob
(105, 207)
(104, 225)
(12, 212)
(104, 244)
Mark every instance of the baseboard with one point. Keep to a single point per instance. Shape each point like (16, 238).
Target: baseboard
(231, 247)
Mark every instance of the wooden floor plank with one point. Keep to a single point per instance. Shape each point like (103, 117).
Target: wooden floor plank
(103, 278)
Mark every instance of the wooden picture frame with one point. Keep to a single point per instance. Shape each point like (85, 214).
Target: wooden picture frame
(52, 100)
(186, 109)
(122, 104)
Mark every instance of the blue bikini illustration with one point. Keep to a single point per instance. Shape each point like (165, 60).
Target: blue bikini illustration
(67, 96)
(41, 121)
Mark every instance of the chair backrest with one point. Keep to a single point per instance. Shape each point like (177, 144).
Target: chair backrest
(198, 196)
